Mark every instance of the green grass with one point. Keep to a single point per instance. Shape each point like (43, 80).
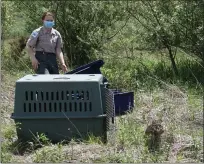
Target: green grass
(147, 71)
(177, 101)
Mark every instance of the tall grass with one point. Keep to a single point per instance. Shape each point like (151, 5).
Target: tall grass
(176, 100)
(144, 73)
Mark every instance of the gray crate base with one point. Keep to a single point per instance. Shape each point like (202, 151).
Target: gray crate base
(61, 129)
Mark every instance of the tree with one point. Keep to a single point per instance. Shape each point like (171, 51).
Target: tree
(83, 24)
(158, 24)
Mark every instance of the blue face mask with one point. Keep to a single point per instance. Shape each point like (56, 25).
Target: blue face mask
(48, 24)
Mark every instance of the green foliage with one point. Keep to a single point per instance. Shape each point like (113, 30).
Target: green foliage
(12, 20)
(8, 135)
(92, 139)
(53, 154)
(7, 17)
(6, 156)
(170, 24)
(149, 73)
(41, 139)
(84, 29)
(130, 133)
(15, 57)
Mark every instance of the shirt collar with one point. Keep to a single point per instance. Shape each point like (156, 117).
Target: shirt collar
(45, 30)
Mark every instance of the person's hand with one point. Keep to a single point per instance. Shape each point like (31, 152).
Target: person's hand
(64, 68)
(34, 63)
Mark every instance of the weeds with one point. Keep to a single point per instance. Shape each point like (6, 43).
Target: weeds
(52, 153)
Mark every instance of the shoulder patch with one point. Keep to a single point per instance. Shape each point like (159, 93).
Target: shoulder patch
(34, 33)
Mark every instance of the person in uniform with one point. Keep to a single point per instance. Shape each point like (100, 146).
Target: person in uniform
(44, 46)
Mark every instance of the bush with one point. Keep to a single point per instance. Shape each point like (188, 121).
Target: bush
(14, 56)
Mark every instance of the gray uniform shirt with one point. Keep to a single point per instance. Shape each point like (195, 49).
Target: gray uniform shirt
(43, 41)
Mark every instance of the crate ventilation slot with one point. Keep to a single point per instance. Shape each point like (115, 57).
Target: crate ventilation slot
(58, 107)
(58, 101)
(58, 95)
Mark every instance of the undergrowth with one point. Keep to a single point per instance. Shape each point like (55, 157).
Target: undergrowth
(159, 94)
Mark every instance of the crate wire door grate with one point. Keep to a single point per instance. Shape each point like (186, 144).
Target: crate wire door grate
(110, 112)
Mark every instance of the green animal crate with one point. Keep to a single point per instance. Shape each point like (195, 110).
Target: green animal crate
(63, 107)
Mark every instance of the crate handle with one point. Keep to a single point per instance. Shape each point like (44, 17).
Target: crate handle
(61, 78)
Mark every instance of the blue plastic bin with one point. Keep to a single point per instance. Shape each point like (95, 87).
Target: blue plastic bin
(124, 101)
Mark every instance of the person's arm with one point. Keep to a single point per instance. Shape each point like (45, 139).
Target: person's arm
(30, 48)
(61, 59)
(59, 53)
(60, 56)
(30, 51)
